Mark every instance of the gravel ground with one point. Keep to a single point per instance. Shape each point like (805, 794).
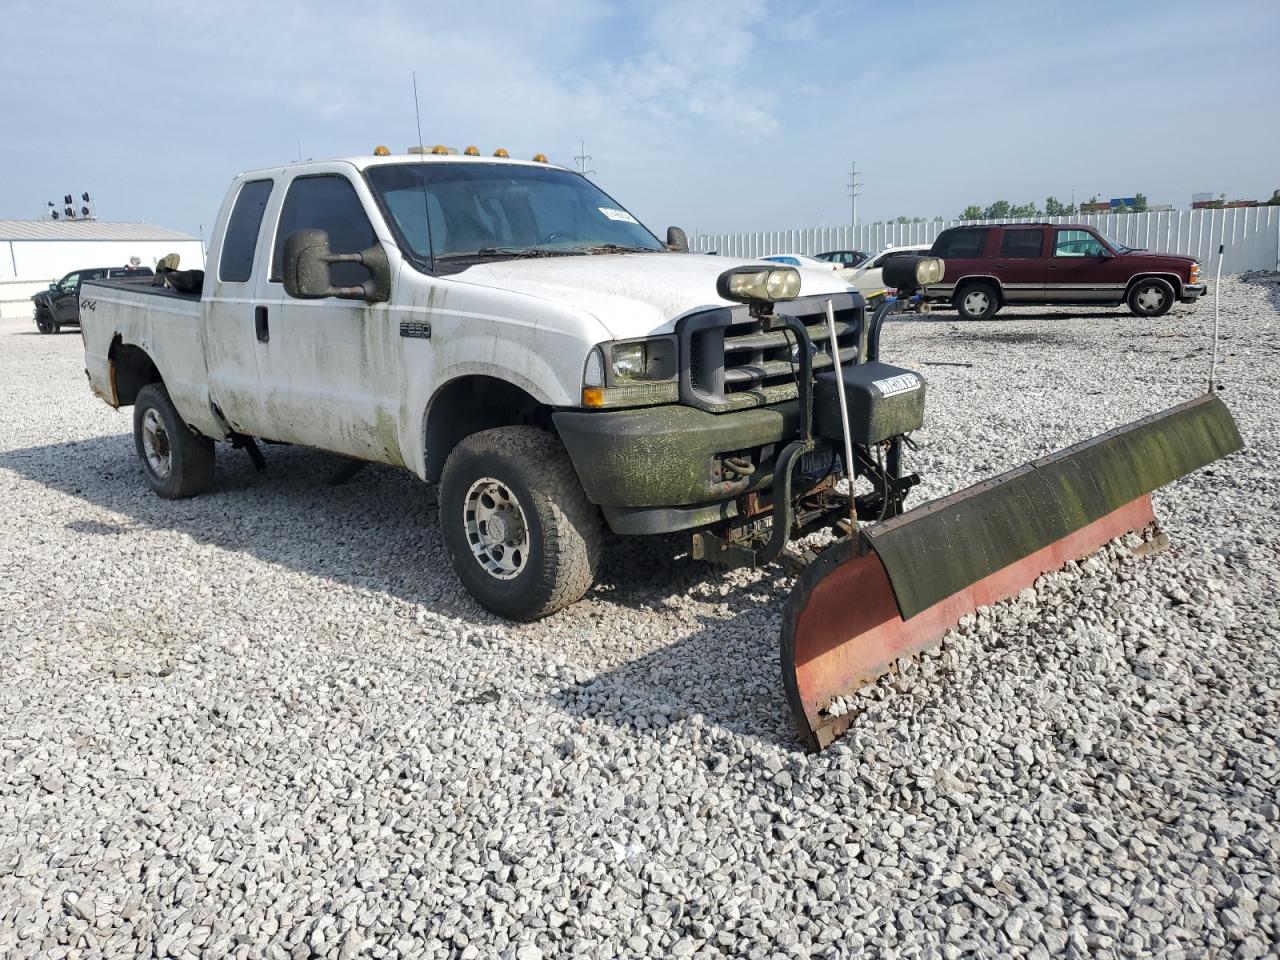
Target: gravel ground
(268, 722)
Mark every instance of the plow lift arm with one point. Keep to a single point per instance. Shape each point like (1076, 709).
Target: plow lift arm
(892, 589)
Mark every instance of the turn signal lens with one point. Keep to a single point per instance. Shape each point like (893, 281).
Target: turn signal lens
(472, 151)
(501, 152)
(439, 149)
(593, 396)
(381, 151)
(539, 158)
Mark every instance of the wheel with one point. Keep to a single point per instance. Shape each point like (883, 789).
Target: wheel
(176, 462)
(977, 301)
(1151, 297)
(519, 529)
(44, 323)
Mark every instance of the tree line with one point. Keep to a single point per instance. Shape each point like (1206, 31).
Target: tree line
(1053, 207)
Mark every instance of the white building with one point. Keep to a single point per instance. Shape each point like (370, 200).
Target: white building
(35, 253)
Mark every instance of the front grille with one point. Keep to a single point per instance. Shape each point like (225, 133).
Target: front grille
(732, 362)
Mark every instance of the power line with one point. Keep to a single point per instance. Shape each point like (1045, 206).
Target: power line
(854, 193)
(582, 159)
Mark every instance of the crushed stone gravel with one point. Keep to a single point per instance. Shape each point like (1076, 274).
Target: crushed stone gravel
(268, 722)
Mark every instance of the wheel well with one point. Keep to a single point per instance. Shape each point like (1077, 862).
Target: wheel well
(1172, 278)
(984, 280)
(131, 370)
(470, 404)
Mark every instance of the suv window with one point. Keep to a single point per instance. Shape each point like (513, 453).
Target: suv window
(70, 281)
(1077, 243)
(1022, 243)
(235, 264)
(955, 244)
(327, 202)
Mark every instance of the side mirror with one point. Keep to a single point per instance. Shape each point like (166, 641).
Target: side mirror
(1105, 254)
(54, 285)
(307, 260)
(677, 242)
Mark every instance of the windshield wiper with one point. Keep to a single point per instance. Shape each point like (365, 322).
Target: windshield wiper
(514, 252)
(615, 248)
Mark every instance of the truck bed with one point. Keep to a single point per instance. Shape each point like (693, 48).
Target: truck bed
(120, 317)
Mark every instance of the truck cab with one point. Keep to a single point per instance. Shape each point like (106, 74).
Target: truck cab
(507, 330)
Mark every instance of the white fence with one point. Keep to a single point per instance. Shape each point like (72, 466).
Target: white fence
(1251, 236)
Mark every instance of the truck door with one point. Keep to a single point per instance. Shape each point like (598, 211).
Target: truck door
(230, 331)
(1081, 270)
(328, 369)
(1020, 264)
(64, 300)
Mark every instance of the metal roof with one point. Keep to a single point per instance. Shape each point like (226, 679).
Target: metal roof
(85, 230)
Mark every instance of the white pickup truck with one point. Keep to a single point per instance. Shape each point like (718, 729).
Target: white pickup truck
(507, 330)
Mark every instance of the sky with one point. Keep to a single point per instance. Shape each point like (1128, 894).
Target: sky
(715, 116)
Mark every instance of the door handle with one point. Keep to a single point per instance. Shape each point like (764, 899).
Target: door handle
(260, 324)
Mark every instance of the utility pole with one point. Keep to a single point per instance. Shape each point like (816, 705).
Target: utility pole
(854, 193)
(582, 159)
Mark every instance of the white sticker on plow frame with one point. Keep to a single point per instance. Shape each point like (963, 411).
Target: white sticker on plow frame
(902, 383)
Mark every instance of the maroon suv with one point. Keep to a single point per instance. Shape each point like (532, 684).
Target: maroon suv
(990, 266)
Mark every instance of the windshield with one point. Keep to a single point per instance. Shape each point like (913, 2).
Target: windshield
(1117, 247)
(460, 210)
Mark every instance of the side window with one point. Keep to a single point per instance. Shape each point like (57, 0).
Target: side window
(1022, 243)
(1076, 243)
(327, 202)
(235, 264)
(70, 281)
(961, 243)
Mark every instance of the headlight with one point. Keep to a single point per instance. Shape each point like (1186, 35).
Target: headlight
(759, 284)
(629, 361)
(631, 373)
(930, 270)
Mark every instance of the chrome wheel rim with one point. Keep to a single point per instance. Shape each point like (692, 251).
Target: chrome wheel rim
(1151, 298)
(496, 528)
(976, 302)
(155, 444)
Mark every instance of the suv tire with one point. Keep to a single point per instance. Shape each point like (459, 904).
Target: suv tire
(977, 301)
(44, 322)
(1151, 297)
(176, 462)
(520, 531)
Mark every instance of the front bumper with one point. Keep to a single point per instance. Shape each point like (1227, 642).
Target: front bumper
(652, 470)
(1191, 292)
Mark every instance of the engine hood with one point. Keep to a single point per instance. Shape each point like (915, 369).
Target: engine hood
(631, 295)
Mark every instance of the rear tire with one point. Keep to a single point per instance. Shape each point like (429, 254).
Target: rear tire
(976, 301)
(522, 535)
(1151, 297)
(176, 462)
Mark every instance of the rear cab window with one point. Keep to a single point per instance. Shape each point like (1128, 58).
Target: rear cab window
(235, 262)
(1076, 243)
(326, 202)
(1022, 243)
(960, 244)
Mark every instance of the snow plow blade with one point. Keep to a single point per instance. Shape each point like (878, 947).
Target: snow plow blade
(897, 587)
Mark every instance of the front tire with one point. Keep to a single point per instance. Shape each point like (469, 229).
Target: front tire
(176, 462)
(520, 531)
(977, 301)
(1152, 297)
(44, 323)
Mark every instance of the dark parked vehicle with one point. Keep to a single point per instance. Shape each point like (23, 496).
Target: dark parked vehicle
(990, 266)
(846, 258)
(60, 304)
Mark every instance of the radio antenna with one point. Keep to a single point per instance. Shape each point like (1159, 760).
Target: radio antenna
(426, 205)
